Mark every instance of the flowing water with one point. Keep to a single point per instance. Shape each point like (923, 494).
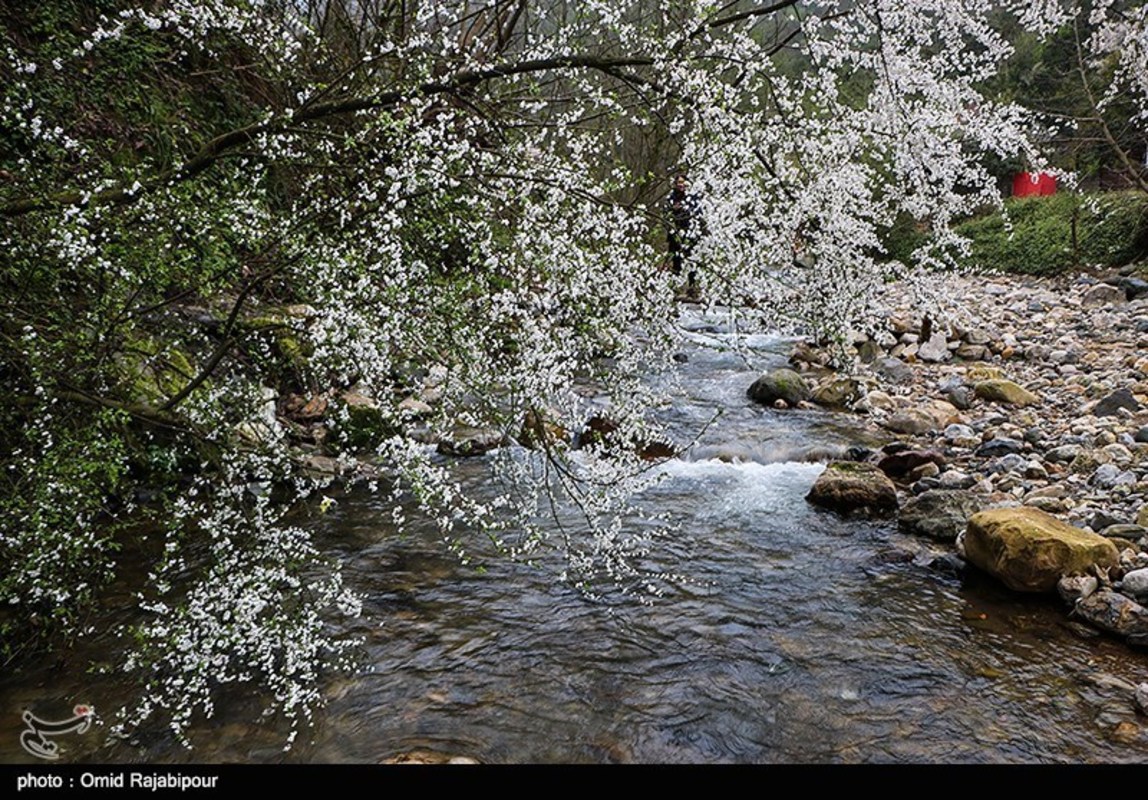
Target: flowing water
(800, 637)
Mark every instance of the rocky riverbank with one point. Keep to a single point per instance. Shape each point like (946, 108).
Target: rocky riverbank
(1035, 400)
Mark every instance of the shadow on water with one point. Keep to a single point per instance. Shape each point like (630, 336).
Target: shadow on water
(799, 636)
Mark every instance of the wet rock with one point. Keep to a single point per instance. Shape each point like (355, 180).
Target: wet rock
(1141, 698)
(1110, 406)
(1074, 587)
(857, 453)
(898, 465)
(1131, 286)
(780, 384)
(940, 514)
(994, 448)
(428, 757)
(1113, 612)
(999, 390)
(949, 563)
(847, 487)
(1142, 435)
(1029, 550)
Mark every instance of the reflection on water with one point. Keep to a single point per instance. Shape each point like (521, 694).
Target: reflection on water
(800, 637)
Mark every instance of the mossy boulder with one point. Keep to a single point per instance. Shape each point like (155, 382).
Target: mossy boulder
(849, 487)
(359, 423)
(1000, 390)
(1029, 550)
(780, 384)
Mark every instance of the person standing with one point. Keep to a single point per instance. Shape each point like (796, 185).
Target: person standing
(681, 215)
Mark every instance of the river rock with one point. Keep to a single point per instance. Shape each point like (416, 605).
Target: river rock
(1074, 587)
(955, 479)
(1000, 390)
(780, 384)
(1113, 612)
(1110, 406)
(935, 349)
(994, 448)
(1103, 295)
(940, 514)
(847, 486)
(960, 396)
(900, 464)
(466, 442)
(912, 421)
(1063, 454)
(1029, 550)
(1141, 698)
(1135, 583)
(893, 370)
(1132, 287)
(838, 392)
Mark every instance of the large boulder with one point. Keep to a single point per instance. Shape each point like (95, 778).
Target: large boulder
(1000, 390)
(1030, 550)
(940, 513)
(847, 487)
(780, 384)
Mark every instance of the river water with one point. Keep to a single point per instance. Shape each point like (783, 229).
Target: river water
(800, 637)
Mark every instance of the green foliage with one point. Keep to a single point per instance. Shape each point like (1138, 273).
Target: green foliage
(1035, 235)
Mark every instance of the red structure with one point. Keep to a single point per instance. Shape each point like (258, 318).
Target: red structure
(1032, 184)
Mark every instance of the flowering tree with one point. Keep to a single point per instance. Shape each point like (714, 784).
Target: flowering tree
(323, 209)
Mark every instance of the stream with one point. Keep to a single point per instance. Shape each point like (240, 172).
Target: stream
(800, 636)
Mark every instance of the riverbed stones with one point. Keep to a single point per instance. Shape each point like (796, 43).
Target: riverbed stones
(780, 384)
(849, 487)
(1001, 390)
(1029, 550)
(940, 513)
